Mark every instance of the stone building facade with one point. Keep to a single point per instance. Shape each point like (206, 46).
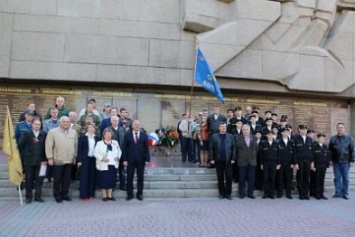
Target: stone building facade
(299, 50)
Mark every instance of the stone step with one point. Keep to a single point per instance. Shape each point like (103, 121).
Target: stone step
(11, 192)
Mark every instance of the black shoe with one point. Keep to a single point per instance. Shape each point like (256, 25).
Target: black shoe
(68, 199)
(289, 196)
(336, 196)
(301, 197)
(123, 189)
(58, 200)
(221, 196)
(241, 196)
(28, 200)
(229, 197)
(306, 197)
(105, 199)
(39, 200)
(140, 197)
(251, 196)
(317, 197)
(323, 197)
(271, 196)
(111, 199)
(279, 196)
(129, 198)
(265, 196)
(345, 197)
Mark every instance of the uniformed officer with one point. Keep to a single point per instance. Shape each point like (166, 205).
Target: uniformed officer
(235, 128)
(22, 128)
(267, 128)
(321, 163)
(304, 159)
(312, 176)
(259, 176)
(270, 162)
(284, 174)
(253, 125)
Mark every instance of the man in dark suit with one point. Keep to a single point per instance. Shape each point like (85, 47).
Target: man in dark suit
(32, 142)
(135, 155)
(247, 149)
(222, 155)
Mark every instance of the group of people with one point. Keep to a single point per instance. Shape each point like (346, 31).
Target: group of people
(99, 144)
(263, 153)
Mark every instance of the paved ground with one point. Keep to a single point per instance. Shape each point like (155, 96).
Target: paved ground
(179, 217)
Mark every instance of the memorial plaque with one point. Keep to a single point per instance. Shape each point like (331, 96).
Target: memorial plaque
(172, 111)
(157, 108)
(149, 114)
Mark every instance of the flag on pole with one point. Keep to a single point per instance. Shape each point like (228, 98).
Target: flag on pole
(9, 147)
(204, 75)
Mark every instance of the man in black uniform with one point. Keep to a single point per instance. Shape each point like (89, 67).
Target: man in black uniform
(321, 163)
(304, 159)
(312, 175)
(253, 125)
(270, 162)
(284, 174)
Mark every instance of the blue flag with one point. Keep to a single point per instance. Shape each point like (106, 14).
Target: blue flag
(204, 76)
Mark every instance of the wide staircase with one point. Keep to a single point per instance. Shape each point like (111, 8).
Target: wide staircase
(162, 182)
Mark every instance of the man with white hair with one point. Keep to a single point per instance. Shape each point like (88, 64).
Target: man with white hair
(61, 151)
(246, 147)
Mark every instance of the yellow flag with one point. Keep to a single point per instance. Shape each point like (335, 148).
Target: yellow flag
(9, 147)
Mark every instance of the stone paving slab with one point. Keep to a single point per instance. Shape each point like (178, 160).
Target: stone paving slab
(180, 217)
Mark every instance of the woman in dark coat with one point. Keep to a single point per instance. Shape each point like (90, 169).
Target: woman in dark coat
(87, 161)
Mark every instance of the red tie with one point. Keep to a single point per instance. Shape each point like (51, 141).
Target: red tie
(136, 137)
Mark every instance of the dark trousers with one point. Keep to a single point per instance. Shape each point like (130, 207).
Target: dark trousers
(246, 173)
(284, 179)
(33, 181)
(312, 183)
(303, 177)
(259, 178)
(87, 178)
(235, 172)
(132, 166)
(49, 174)
(186, 149)
(224, 177)
(269, 170)
(319, 180)
(62, 179)
(122, 175)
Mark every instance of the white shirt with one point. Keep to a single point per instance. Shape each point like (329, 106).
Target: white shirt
(91, 145)
(285, 140)
(304, 139)
(35, 133)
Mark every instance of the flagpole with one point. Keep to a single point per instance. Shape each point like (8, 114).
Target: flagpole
(193, 81)
(20, 194)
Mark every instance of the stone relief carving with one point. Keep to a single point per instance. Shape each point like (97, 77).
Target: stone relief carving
(303, 44)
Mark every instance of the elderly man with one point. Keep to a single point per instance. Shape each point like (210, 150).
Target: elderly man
(247, 148)
(59, 104)
(341, 147)
(73, 122)
(61, 151)
(222, 153)
(135, 156)
(118, 135)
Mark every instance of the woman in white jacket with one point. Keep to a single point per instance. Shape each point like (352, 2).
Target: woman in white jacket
(107, 153)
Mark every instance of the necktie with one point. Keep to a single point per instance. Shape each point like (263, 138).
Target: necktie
(136, 137)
